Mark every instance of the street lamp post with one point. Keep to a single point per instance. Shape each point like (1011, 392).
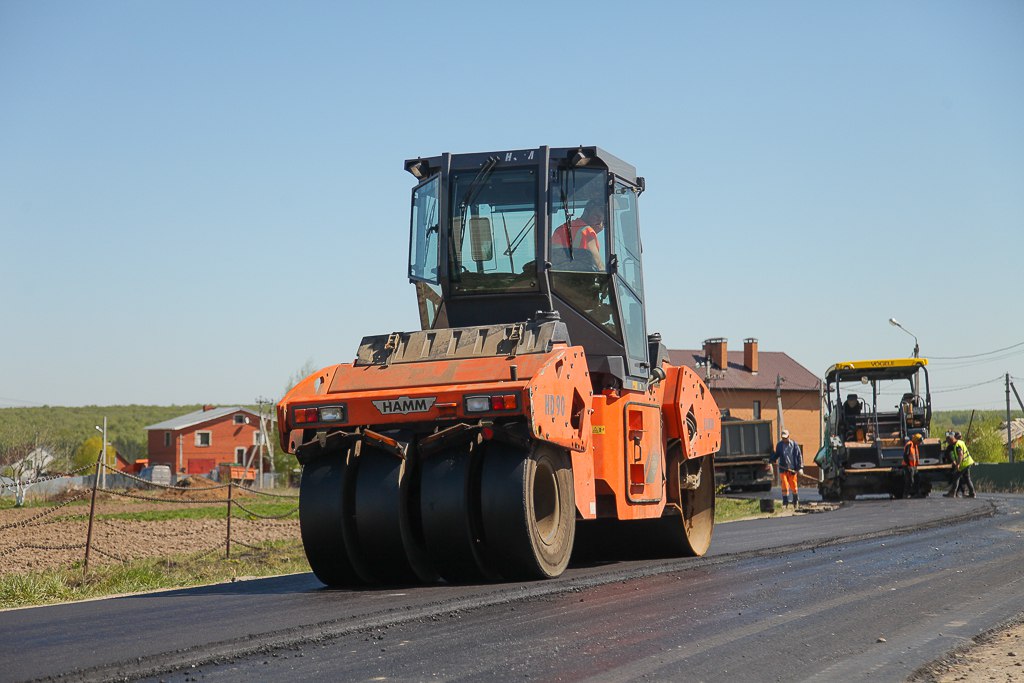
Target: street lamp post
(103, 452)
(917, 347)
(917, 350)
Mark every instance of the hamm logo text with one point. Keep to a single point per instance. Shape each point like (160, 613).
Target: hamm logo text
(404, 405)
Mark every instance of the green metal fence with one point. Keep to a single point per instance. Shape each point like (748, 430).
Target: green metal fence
(1001, 476)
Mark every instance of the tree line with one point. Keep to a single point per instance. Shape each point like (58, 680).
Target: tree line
(983, 430)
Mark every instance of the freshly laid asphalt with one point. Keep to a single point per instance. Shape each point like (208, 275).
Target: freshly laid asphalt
(867, 592)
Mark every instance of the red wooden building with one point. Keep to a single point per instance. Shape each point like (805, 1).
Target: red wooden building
(198, 442)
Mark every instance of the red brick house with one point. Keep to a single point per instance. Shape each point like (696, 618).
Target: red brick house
(196, 443)
(744, 383)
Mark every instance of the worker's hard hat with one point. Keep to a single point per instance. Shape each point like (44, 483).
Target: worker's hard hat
(916, 437)
(785, 433)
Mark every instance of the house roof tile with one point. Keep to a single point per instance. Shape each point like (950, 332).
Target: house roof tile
(201, 416)
(771, 364)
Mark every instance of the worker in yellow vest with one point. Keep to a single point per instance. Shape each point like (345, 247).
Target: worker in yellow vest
(962, 462)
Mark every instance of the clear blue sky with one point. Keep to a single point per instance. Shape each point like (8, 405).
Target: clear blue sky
(198, 198)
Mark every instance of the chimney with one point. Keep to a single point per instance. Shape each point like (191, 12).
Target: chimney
(715, 351)
(208, 407)
(750, 355)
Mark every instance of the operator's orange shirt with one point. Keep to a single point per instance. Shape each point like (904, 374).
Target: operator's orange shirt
(582, 235)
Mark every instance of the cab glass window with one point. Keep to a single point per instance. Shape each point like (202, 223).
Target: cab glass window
(627, 237)
(428, 299)
(629, 285)
(578, 245)
(423, 240)
(492, 242)
(578, 202)
(636, 335)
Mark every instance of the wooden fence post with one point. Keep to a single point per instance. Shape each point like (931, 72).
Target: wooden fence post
(92, 511)
(227, 550)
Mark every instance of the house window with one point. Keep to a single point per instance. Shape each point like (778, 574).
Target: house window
(167, 439)
(203, 439)
(757, 410)
(240, 455)
(257, 438)
(239, 419)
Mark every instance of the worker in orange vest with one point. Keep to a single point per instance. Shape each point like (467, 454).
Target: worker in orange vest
(911, 459)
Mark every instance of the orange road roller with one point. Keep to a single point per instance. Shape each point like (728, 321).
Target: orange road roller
(531, 412)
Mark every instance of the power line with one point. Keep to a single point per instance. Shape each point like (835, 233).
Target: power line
(976, 355)
(967, 386)
(995, 406)
(953, 365)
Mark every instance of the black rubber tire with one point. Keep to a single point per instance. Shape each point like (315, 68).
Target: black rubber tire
(380, 529)
(528, 509)
(684, 530)
(321, 519)
(686, 527)
(449, 513)
(698, 518)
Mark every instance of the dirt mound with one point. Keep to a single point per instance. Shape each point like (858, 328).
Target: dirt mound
(197, 488)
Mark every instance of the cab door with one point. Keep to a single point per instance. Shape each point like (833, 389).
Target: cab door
(629, 281)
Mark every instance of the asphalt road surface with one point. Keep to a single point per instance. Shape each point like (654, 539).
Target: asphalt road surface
(868, 592)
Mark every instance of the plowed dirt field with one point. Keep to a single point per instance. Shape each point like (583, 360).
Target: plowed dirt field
(38, 538)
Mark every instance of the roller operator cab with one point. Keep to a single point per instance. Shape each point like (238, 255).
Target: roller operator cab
(873, 409)
(531, 413)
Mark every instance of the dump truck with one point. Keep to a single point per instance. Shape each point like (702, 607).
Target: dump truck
(742, 463)
(873, 408)
(530, 409)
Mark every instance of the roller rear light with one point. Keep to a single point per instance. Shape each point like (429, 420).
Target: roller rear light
(306, 415)
(319, 415)
(491, 403)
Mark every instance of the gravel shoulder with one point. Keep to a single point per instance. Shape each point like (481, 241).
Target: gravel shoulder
(996, 655)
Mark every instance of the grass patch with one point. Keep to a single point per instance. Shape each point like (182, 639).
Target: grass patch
(181, 571)
(219, 511)
(728, 509)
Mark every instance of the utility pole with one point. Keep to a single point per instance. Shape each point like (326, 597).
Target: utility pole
(1009, 431)
(265, 424)
(779, 379)
(259, 448)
